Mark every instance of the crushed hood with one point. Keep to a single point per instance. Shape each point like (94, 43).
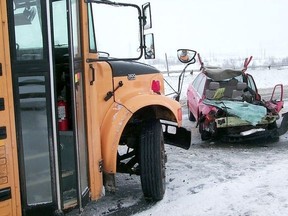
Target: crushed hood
(245, 111)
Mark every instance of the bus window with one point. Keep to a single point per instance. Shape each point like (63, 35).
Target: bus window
(28, 32)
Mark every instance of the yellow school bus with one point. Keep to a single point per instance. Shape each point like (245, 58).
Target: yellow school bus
(76, 106)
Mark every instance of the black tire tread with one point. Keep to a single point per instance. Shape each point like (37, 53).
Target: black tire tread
(151, 167)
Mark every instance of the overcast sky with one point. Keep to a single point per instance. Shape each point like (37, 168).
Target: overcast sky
(226, 27)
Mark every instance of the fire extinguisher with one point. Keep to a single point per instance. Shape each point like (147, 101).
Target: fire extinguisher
(62, 115)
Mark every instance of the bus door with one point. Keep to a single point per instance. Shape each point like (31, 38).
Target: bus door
(69, 82)
(9, 190)
(47, 76)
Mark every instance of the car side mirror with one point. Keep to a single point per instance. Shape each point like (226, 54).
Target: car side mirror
(186, 55)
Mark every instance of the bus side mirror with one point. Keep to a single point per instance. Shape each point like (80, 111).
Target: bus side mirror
(149, 46)
(147, 21)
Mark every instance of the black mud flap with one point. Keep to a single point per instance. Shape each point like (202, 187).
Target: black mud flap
(284, 125)
(176, 136)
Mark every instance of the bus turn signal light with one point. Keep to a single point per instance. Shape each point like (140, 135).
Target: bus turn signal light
(155, 86)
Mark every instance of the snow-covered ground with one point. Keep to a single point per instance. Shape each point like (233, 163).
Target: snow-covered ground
(212, 179)
(222, 180)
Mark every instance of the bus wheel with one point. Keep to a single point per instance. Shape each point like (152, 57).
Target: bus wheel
(152, 161)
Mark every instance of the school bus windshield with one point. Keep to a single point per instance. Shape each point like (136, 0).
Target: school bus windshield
(112, 34)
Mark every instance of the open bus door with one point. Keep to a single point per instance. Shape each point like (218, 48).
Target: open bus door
(9, 193)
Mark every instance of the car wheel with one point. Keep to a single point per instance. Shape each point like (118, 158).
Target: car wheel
(191, 117)
(152, 161)
(274, 137)
(205, 135)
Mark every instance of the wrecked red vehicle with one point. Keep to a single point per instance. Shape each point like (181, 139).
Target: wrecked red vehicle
(226, 105)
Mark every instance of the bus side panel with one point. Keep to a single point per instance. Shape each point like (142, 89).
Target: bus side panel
(9, 173)
(6, 208)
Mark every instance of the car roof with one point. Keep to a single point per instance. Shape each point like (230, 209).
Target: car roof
(219, 74)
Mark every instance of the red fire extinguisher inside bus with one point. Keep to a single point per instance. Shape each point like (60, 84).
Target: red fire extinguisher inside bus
(62, 115)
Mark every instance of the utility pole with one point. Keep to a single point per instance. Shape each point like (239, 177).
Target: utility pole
(167, 66)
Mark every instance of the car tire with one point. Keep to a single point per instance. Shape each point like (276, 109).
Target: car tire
(152, 161)
(205, 135)
(191, 117)
(275, 136)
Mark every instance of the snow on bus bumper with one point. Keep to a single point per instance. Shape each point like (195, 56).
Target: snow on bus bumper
(176, 136)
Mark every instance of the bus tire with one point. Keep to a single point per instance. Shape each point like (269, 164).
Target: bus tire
(152, 161)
